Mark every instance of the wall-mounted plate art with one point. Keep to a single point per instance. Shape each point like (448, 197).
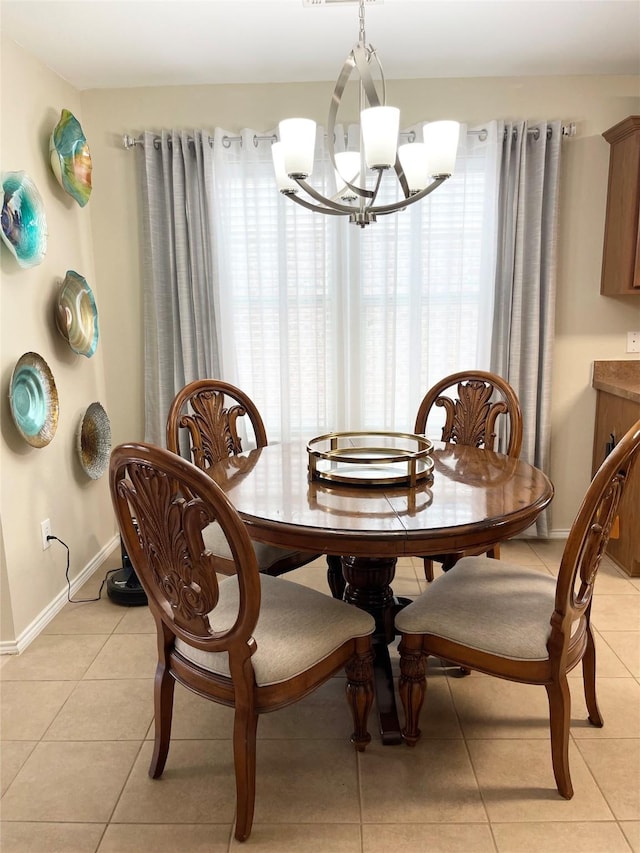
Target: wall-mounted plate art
(77, 314)
(33, 397)
(70, 158)
(24, 224)
(94, 441)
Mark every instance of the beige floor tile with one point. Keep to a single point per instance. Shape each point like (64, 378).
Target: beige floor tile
(626, 645)
(136, 620)
(549, 551)
(560, 837)
(323, 715)
(126, 656)
(434, 837)
(517, 783)
(519, 551)
(616, 612)
(197, 786)
(433, 782)
(27, 708)
(13, 754)
(615, 765)
(438, 718)
(165, 838)
(317, 779)
(301, 838)
(54, 658)
(494, 708)
(613, 581)
(313, 575)
(76, 782)
(50, 837)
(631, 829)
(608, 663)
(197, 718)
(408, 587)
(105, 710)
(95, 617)
(619, 704)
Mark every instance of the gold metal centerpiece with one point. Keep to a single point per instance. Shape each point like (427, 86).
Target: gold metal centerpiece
(371, 458)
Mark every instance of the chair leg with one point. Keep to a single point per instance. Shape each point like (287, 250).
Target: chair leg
(559, 720)
(244, 759)
(428, 569)
(589, 681)
(335, 578)
(412, 685)
(163, 707)
(494, 552)
(359, 670)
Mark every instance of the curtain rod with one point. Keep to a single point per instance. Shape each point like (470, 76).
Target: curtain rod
(129, 141)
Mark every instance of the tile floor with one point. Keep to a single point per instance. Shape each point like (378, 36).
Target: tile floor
(76, 728)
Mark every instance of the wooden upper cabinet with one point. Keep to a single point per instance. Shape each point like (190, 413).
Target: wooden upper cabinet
(621, 253)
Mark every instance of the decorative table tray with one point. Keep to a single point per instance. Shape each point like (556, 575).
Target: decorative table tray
(371, 458)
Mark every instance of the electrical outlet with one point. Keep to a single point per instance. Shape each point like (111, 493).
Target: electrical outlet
(45, 530)
(633, 341)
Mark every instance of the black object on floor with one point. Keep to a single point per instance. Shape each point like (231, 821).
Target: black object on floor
(123, 586)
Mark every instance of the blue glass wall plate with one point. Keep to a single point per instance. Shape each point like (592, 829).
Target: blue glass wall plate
(77, 314)
(70, 158)
(24, 225)
(94, 441)
(33, 397)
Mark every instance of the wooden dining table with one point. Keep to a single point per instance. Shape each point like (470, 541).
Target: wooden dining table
(476, 498)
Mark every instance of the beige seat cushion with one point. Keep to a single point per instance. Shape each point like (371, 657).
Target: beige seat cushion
(297, 628)
(266, 555)
(488, 605)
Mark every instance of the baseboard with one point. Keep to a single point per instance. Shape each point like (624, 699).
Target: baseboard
(14, 647)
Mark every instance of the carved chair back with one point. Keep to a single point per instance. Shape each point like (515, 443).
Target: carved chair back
(586, 544)
(208, 412)
(162, 504)
(473, 400)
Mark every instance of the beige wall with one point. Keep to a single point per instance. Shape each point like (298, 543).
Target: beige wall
(47, 482)
(102, 242)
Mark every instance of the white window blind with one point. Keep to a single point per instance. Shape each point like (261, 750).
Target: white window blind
(329, 326)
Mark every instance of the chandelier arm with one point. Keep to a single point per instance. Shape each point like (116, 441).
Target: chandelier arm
(327, 202)
(336, 99)
(317, 208)
(405, 202)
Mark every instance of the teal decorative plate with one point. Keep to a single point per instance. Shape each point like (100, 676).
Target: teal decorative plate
(77, 315)
(33, 398)
(24, 225)
(94, 441)
(70, 158)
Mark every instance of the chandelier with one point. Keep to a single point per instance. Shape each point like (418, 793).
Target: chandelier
(420, 167)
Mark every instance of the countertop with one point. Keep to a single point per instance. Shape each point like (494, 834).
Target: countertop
(620, 378)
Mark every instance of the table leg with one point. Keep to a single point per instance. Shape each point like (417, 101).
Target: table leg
(368, 586)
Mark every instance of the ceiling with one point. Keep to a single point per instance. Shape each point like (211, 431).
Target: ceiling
(126, 43)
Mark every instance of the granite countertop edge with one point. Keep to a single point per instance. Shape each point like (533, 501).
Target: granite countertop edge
(620, 378)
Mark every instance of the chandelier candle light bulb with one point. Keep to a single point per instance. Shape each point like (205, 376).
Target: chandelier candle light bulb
(413, 163)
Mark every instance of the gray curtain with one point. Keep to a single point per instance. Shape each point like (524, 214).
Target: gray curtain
(524, 307)
(181, 342)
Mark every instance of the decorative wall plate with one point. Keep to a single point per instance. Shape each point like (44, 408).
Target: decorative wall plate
(94, 441)
(34, 399)
(77, 315)
(70, 158)
(24, 225)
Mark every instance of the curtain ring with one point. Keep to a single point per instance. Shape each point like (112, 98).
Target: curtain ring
(226, 142)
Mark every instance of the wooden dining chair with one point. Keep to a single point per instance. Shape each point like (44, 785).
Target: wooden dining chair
(208, 413)
(518, 623)
(225, 631)
(474, 401)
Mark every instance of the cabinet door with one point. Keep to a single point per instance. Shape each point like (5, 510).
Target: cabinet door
(621, 250)
(616, 415)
